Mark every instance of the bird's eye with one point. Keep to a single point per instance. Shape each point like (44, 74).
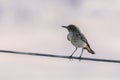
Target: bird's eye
(71, 28)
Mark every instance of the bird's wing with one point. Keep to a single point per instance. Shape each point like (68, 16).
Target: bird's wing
(83, 38)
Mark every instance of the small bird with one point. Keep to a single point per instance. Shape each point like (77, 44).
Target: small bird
(77, 39)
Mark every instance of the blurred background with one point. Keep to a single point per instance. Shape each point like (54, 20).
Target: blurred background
(35, 26)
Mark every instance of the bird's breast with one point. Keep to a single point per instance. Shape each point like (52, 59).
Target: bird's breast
(76, 40)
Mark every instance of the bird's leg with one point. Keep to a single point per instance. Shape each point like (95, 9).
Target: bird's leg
(73, 53)
(81, 54)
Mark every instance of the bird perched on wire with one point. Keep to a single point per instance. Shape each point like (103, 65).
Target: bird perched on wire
(77, 39)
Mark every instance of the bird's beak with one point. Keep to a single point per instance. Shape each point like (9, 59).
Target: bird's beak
(64, 27)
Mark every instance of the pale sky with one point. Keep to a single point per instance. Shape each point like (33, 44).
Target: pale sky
(35, 26)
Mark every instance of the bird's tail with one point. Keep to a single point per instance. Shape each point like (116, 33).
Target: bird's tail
(90, 50)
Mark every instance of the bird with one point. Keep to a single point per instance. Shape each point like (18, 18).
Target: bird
(77, 38)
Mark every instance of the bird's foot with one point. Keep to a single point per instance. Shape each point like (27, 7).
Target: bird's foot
(80, 58)
(70, 57)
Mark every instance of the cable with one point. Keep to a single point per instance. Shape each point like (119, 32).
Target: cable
(59, 56)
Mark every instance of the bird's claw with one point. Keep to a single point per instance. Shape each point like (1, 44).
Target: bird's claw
(70, 57)
(80, 58)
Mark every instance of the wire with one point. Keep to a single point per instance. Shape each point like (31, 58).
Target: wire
(59, 56)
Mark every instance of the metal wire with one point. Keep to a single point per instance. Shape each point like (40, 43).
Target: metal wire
(59, 56)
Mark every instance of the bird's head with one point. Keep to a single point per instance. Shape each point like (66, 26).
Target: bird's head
(71, 28)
